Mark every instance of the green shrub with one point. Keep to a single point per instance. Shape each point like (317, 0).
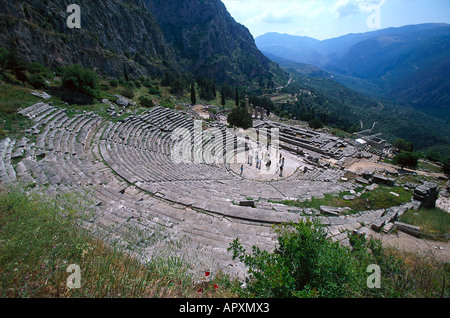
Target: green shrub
(446, 166)
(305, 263)
(80, 79)
(154, 91)
(315, 123)
(36, 68)
(145, 102)
(37, 81)
(127, 92)
(113, 83)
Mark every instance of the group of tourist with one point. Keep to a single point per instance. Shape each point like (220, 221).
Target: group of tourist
(264, 157)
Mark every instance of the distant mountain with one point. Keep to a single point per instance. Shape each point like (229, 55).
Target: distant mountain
(408, 64)
(145, 37)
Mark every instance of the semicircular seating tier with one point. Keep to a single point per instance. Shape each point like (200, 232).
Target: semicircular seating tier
(142, 197)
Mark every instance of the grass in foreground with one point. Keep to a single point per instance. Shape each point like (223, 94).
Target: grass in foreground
(40, 237)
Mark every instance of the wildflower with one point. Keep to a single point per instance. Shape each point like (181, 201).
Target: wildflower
(206, 274)
(200, 291)
(216, 287)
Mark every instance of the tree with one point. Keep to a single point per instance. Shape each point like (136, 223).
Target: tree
(80, 79)
(125, 73)
(433, 156)
(407, 159)
(145, 102)
(222, 98)
(193, 97)
(402, 145)
(446, 167)
(353, 129)
(239, 117)
(315, 123)
(3, 59)
(176, 87)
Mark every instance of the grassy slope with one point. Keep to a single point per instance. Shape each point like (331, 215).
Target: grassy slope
(39, 243)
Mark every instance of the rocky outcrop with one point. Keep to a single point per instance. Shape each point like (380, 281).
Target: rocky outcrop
(114, 35)
(211, 42)
(117, 35)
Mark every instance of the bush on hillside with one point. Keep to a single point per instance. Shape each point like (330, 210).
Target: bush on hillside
(79, 79)
(37, 81)
(315, 123)
(146, 102)
(307, 264)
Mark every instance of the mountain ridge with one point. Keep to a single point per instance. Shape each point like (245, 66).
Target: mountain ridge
(118, 37)
(395, 61)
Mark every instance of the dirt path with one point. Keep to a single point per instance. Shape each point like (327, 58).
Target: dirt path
(365, 164)
(438, 251)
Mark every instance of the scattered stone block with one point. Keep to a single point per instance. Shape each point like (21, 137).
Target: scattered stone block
(388, 227)
(408, 228)
(372, 187)
(248, 204)
(367, 174)
(329, 210)
(361, 180)
(348, 197)
(427, 194)
(380, 179)
(43, 95)
(378, 224)
(411, 185)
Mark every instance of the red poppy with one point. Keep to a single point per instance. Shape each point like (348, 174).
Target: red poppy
(215, 286)
(200, 291)
(206, 274)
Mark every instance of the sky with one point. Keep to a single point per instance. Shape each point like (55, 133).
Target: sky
(324, 19)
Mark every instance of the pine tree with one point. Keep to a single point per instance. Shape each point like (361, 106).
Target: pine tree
(193, 97)
(125, 73)
(222, 98)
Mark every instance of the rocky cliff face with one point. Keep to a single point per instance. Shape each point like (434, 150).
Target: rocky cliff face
(147, 36)
(113, 34)
(210, 41)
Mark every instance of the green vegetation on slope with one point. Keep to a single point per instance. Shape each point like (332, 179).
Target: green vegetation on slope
(42, 235)
(380, 198)
(306, 264)
(340, 107)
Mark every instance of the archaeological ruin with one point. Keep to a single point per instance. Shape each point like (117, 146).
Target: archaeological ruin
(143, 198)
